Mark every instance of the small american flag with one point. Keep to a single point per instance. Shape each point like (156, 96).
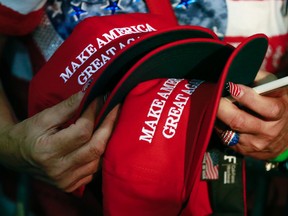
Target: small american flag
(210, 166)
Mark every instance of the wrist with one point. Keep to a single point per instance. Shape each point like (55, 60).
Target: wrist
(11, 153)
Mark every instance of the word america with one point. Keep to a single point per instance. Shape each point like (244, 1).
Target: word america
(101, 42)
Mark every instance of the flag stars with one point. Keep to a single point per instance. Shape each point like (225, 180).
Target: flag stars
(56, 8)
(77, 11)
(185, 3)
(113, 6)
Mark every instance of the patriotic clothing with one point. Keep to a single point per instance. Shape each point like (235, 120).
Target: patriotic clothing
(231, 19)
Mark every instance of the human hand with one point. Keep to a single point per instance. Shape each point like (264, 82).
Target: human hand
(66, 157)
(261, 121)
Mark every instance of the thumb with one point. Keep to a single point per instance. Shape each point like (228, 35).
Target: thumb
(62, 112)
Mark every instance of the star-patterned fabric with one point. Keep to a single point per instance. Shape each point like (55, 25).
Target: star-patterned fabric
(64, 15)
(221, 16)
(210, 14)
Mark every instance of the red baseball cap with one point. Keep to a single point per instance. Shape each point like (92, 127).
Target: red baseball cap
(99, 58)
(152, 162)
(99, 52)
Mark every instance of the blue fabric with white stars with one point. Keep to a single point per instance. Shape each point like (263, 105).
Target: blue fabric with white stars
(211, 14)
(66, 14)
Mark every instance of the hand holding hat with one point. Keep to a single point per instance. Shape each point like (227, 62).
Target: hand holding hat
(155, 170)
(94, 62)
(127, 53)
(65, 158)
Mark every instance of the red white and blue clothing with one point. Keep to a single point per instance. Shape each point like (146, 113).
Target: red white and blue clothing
(233, 20)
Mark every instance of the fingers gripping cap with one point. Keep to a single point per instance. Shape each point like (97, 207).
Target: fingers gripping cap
(153, 159)
(107, 53)
(98, 54)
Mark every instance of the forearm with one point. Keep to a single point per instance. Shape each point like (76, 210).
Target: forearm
(7, 116)
(9, 152)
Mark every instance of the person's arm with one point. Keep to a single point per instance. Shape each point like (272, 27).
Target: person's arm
(67, 157)
(6, 115)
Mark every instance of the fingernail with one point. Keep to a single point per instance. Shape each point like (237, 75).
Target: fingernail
(233, 89)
